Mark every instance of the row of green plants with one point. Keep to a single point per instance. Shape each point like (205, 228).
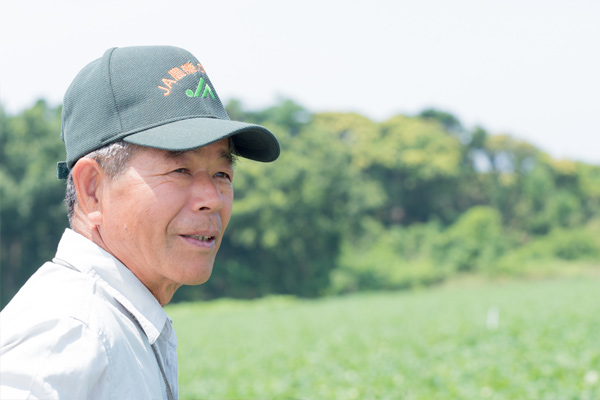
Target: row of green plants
(534, 339)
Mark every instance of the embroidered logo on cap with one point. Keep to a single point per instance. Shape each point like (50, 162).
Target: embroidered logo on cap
(206, 92)
(179, 72)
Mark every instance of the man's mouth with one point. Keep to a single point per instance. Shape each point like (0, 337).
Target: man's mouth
(200, 237)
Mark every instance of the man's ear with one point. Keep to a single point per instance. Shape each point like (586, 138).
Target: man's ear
(88, 178)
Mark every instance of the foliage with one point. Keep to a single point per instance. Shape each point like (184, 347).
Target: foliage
(32, 213)
(388, 258)
(352, 204)
(474, 242)
(290, 216)
(467, 341)
(560, 244)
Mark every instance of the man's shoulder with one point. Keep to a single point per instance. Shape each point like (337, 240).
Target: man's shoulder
(55, 293)
(66, 323)
(51, 290)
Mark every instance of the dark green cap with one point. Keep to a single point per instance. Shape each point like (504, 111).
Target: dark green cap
(153, 96)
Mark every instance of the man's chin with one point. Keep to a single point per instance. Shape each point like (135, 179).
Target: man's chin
(198, 278)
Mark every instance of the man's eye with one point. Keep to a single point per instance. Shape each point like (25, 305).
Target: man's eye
(224, 175)
(181, 170)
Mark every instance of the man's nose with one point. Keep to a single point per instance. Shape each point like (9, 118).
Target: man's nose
(206, 195)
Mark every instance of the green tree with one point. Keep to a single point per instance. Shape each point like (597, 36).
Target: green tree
(32, 212)
(416, 162)
(474, 243)
(390, 204)
(290, 217)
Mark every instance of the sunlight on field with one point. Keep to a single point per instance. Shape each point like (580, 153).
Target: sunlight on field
(534, 340)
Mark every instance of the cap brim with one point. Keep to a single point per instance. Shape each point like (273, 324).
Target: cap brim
(251, 141)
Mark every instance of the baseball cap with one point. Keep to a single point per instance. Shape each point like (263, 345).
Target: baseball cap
(153, 96)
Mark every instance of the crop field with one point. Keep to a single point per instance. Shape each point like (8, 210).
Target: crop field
(512, 340)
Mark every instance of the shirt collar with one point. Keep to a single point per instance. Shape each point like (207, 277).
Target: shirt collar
(116, 278)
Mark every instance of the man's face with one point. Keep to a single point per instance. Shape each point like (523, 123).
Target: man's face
(165, 216)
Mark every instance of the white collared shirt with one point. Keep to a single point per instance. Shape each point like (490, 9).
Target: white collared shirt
(82, 327)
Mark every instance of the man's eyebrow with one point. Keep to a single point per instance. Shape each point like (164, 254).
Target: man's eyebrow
(171, 154)
(229, 157)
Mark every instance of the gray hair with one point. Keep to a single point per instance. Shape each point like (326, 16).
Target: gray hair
(113, 159)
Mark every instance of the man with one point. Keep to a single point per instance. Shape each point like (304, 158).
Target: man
(150, 152)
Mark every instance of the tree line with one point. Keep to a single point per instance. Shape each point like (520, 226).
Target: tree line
(352, 204)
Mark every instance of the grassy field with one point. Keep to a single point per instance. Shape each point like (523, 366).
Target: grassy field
(512, 340)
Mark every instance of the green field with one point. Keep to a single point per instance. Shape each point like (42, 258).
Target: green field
(512, 340)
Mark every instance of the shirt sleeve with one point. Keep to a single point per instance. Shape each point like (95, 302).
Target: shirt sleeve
(56, 359)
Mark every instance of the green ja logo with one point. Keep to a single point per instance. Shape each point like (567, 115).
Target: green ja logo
(205, 93)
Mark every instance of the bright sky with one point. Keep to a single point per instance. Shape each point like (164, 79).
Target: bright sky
(530, 68)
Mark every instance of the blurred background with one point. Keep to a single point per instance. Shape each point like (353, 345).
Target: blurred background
(424, 144)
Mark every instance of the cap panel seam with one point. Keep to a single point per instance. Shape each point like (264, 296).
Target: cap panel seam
(112, 91)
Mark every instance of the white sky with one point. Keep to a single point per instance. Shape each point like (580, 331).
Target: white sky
(530, 68)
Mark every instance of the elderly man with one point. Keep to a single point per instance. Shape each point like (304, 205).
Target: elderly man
(150, 154)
